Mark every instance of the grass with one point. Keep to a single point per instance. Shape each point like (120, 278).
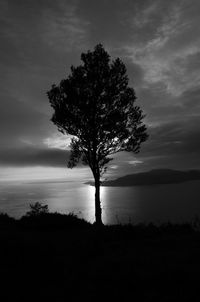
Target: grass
(56, 257)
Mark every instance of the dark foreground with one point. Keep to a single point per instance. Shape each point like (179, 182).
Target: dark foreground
(57, 258)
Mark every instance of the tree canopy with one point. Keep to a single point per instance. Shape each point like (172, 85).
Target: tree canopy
(96, 106)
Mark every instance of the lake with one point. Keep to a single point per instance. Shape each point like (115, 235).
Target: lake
(155, 203)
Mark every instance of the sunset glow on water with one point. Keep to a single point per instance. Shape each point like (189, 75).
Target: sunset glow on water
(160, 203)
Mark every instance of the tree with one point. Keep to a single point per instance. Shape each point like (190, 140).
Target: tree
(37, 209)
(96, 106)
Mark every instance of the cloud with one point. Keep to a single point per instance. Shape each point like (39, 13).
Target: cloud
(135, 73)
(20, 122)
(169, 54)
(58, 141)
(135, 162)
(63, 29)
(31, 156)
(191, 100)
(173, 144)
(113, 167)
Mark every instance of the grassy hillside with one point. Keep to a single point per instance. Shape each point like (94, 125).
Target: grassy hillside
(54, 257)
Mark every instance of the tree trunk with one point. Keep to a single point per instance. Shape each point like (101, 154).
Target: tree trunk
(98, 210)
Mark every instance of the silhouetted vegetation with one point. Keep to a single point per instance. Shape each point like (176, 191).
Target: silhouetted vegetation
(6, 221)
(39, 217)
(57, 257)
(37, 209)
(97, 107)
(53, 221)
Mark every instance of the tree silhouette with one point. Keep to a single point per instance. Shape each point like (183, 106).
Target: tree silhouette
(96, 106)
(37, 209)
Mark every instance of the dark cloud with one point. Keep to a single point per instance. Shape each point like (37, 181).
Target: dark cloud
(173, 145)
(20, 123)
(191, 100)
(135, 73)
(31, 156)
(175, 138)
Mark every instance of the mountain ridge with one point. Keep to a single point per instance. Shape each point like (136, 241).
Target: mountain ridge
(153, 177)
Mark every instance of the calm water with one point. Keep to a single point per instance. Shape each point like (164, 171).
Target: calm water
(158, 203)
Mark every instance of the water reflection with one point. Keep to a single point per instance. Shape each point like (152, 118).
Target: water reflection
(118, 204)
(175, 202)
(90, 202)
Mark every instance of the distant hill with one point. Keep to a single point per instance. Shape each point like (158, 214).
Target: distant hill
(159, 176)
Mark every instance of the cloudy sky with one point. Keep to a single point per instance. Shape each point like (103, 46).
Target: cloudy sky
(159, 42)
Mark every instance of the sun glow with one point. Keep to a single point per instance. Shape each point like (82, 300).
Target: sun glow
(43, 173)
(59, 141)
(90, 199)
(31, 173)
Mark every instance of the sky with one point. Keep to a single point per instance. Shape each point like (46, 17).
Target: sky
(159, 43)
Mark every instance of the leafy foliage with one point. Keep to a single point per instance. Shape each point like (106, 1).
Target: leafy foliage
(37, 208)
(96, 106)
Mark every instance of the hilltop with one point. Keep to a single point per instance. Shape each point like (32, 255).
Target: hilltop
(157, 176)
